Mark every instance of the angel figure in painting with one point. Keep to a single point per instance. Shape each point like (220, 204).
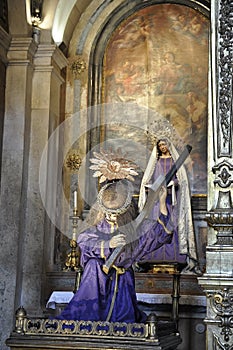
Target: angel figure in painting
(183, 246)
(111, 296)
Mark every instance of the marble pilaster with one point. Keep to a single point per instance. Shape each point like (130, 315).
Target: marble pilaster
(32, 112)
(13, 176)
(45, 117)
(217, 281)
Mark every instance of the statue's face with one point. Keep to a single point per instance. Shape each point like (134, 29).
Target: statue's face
(163, 146)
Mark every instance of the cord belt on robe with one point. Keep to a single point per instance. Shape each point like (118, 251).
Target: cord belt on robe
(119, 271)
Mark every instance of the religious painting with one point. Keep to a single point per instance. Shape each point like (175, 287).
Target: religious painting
(158, 59)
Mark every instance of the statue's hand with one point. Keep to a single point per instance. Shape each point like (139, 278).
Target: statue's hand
(117, 241)
(148, 185)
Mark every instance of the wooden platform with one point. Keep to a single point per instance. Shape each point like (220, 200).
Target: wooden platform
(16, 342)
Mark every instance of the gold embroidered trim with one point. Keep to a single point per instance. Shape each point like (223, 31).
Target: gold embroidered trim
(119, 271)
(102, 250)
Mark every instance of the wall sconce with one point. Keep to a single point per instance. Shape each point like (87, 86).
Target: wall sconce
(36, 18)
(36, 12)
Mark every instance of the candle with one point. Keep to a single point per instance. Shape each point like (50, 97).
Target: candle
(75, 200)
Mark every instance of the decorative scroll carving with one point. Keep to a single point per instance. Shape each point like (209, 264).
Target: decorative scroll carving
(218, 345)
(225, 78)
(25, 325)
(223, 302)
(53, 327)
(222, 305)
(223, 173)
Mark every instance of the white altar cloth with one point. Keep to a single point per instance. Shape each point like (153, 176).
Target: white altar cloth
(61, 297)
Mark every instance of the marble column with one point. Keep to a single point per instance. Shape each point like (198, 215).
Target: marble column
(217, 282)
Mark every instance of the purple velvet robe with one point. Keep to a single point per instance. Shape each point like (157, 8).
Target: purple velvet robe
(93, 298)
(167, 252)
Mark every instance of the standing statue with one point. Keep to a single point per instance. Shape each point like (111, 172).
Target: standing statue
(183, 246)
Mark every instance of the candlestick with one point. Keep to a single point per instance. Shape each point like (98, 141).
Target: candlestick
(73, 257)
(74, 234)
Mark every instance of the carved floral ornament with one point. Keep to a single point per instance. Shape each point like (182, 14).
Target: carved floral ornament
(77, 65)
(73, 161)
(222, 302)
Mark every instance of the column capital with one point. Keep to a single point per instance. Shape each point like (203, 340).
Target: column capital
(50, 55)
(21, 51)
(221, 219)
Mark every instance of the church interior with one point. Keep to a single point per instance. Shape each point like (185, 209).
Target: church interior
(81, 82)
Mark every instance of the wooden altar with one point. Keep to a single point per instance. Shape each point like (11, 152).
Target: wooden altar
(158, 333)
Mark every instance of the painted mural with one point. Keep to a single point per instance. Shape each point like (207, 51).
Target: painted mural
(158, 58)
